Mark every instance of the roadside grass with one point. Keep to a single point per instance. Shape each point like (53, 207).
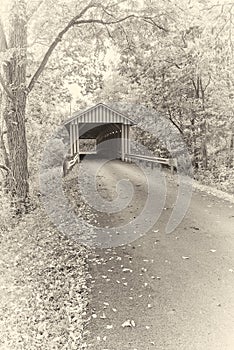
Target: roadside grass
(43, 292)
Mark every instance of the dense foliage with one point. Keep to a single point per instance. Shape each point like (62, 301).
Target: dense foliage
(184, 69)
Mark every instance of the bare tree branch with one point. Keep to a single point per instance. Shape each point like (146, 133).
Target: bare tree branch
(5, 87)
(194, 85)
(100, 21)
(109, 33)
(173, 64)
(208, 83)
(3, 48)
(5, 168)
(218, 5)
(3, 41)
(34, 10)
(152, 22)
(130, 44)
(173, 122)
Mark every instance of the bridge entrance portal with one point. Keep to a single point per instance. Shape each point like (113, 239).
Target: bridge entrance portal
(108, 128)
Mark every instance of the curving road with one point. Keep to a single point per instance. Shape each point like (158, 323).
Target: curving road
(177, 288)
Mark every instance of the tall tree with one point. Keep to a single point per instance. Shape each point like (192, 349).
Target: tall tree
(14, 84)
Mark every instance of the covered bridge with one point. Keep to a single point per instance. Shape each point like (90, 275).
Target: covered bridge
(100, 123)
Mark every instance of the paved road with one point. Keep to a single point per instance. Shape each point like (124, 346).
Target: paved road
(177, 288)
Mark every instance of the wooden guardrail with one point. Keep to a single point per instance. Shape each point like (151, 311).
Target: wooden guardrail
(68, 163)
(170, 162)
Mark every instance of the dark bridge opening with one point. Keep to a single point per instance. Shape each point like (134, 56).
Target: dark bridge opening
(107, 139)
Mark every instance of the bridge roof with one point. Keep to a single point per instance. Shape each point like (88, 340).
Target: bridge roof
(99, 113)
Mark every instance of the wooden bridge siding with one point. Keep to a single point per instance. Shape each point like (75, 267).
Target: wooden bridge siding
(102, 115)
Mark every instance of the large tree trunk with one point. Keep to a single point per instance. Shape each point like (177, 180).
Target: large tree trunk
(14, 115)
(204, 154)
(15, 106)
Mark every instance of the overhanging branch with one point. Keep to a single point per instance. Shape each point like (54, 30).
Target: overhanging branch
(77, 21)
(151, 21)
(57, 40)
(100, 21)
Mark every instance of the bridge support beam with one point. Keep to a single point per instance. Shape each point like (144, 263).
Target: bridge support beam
(125, 141)
(128, 151)
(71, 140)
(77, 141)
(74, 140)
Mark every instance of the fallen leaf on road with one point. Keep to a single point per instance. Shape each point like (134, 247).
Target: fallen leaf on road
(129, 323)
(126, 270)
(185, 257)
(213, 250)
(109, 326)
(103, 316)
